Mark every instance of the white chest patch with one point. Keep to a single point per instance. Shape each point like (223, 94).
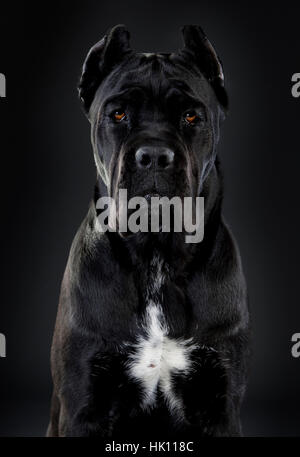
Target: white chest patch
(157, 357)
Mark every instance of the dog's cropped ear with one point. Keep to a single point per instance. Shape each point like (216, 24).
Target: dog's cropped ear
(101, 58)
(197, 46)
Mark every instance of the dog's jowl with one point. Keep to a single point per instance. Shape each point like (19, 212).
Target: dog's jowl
(152, 333)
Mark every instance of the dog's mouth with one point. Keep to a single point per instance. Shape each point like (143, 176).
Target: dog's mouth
(150, 195)
(148, 207)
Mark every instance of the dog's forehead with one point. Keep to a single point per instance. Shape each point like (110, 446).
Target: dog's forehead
(157, 72)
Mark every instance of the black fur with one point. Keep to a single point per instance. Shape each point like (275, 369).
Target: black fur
(102, 297)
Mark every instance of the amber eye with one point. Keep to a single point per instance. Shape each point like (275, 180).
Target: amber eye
(119, 115)
(190, 118)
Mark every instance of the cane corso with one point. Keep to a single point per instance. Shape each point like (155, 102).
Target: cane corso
(152, 333)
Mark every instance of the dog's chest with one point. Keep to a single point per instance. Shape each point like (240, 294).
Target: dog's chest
(157, 357)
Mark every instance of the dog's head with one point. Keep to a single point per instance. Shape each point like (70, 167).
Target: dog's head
(154, 117)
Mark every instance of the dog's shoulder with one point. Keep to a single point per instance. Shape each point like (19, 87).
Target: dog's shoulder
(98, 289)
(218, 290)
(91, 251)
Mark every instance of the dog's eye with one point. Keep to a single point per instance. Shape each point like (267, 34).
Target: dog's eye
(119, 116)
(190, 118)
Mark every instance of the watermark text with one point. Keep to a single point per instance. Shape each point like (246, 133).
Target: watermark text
(2, 345)
(153, 214)
(2, 85)
(296, 346)
(296, 86)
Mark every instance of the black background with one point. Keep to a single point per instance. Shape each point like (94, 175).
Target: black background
(47, 178)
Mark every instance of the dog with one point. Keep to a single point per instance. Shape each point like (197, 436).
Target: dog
(152, 337)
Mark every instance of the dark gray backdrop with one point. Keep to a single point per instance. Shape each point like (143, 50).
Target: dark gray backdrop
(47, 178)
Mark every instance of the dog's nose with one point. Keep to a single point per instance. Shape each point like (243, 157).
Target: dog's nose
(159, 157)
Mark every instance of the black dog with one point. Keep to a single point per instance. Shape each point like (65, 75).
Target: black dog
(152, 333)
